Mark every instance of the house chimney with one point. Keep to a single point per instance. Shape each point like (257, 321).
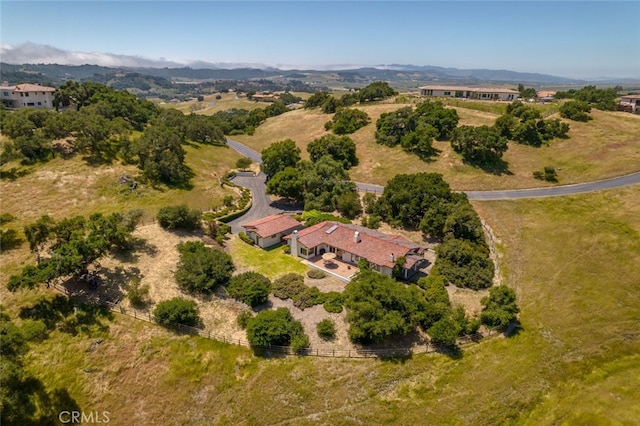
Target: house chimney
(356, 237)
(294, 243)
(392, 258)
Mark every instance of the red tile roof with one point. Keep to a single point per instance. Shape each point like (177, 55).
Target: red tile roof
(271, 225)
(28, 87)
(374, 246)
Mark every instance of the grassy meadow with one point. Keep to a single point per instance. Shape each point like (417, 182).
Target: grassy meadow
(605, 147)
(574, 262)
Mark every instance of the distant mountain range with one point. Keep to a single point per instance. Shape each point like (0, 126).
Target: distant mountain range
(402, 76)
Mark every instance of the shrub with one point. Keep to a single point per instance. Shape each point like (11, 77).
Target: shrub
(202, 268)
(326, 329)
(179, 217)
(243, 319)
(549, 174)
(287, 286)
(251, 288)
(137, 293)
(34, 330)
(299, 342)
(276, 327)
(333, 302)
(244, 237)
(372, 222)
(308, 297)
(465, 264)
(576, 110)
(243, 162)
(176, 311)
(316, 274)
(499, 308)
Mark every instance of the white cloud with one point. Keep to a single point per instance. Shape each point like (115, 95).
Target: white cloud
(31, 53)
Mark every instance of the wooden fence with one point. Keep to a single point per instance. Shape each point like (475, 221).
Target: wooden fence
(275, 351)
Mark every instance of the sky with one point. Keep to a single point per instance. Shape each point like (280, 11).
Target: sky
(576, 39)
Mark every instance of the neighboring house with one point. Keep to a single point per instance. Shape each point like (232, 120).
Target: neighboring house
(630, 103)
(546, 95)
(268, 231)
(351, 243)
(27, 96)
(482, 93)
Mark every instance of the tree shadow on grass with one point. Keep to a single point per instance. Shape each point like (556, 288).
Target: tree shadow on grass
(496, 167)
(34, 398)
(14, 173)
(68, 316)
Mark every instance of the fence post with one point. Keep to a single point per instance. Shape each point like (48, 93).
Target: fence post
(349, 353)
(134, 314)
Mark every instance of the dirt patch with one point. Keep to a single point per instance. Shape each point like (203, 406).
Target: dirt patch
(154, 262)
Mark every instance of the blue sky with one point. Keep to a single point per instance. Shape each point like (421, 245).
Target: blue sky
(583, 39)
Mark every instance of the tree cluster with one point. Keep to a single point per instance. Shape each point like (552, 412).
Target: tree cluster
(73, 244)
(481, 145)
(425, 201)
(376, 91)
(576, 111)
(340, 148)
(415, 130)
(201, 269)
(602, 99)
(347, 121)
(179, 217)
(524, 124)
(241, 121)
(322, 183)
(378, 308)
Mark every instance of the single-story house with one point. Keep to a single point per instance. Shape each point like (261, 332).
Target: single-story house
(352, 243)
(481, 93)
(27, 96)
(546, 95)
(268, 231)
(630, 103)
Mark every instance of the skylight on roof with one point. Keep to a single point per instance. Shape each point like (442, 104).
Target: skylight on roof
(330, 230)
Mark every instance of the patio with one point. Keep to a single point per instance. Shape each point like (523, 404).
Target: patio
(337, 268)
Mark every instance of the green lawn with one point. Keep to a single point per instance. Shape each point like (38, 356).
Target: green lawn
(272, 262)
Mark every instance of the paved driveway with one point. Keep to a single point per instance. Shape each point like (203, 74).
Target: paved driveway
(262, 205)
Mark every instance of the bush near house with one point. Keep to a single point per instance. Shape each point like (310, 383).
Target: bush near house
(276, 327)
(251, 288)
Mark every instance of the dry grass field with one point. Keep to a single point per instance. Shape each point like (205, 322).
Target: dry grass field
(607, 146)
(574, 262)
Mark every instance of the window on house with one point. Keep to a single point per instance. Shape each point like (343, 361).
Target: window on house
(303, 251)
(31, 104)
(447, 93)
(5, 93)
(27, 94)
(39, 103)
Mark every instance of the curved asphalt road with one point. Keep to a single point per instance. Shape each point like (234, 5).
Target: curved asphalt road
(513, 194)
